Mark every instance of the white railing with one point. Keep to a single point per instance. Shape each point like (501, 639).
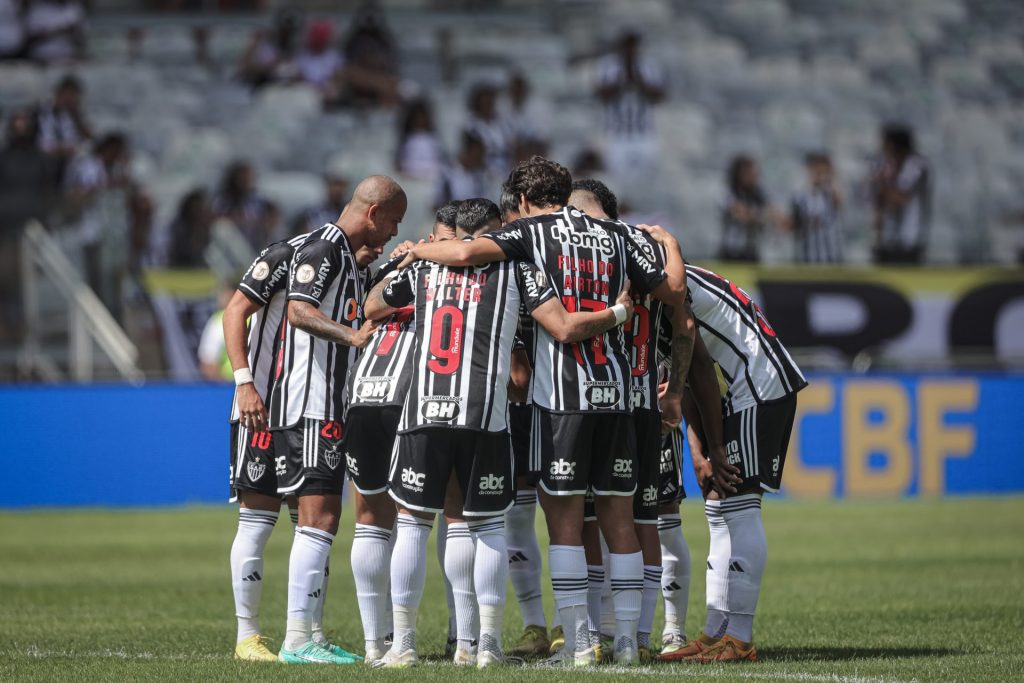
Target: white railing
(88, 319)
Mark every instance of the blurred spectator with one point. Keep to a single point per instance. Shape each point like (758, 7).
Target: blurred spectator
(901, 186)
(588, 163)
(189, 233)
(371, 59)
(237, 201)
(12, 29)
(89, 183)
(419, 153)
(271, 55)
(484, 123)
(523, 115)
(745, 211)
(816, 219)
(214, 364)
(56, 32)
(468, 176)
(62, 124)
(337, 196)
(141, 214)
(320, 63)
(628, 85)
(27, 182)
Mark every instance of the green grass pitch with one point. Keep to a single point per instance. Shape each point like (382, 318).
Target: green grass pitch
(855, 592)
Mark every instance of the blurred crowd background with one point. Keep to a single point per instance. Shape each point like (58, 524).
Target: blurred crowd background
(156, 146)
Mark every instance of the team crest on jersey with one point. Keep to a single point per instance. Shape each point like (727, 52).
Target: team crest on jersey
(332, 457)
(602, 394)
(373, 388)
(305, 274)
(440, 408)
(260, 271)
(255, 469)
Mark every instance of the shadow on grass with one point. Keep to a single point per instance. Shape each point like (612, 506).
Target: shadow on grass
(836, 654)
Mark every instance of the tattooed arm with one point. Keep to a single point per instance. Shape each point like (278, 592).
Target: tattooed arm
(308, 318)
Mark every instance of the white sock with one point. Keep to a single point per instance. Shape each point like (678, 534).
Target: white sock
(648, 602)
(490, 576)
(371, 562)
(458, 570)
(627, 570)
(254, 529)
(318, 610)
(524, 557)
(441, 545)
(408, 574)
(569, 580)
(746, 563)
(607, 604)
(310, 551)
(595, 587)
(675, 578)
(717, 581)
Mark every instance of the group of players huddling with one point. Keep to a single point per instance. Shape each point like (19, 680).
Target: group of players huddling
(543, 351)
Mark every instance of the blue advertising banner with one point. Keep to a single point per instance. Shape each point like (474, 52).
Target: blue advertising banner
(855, 436)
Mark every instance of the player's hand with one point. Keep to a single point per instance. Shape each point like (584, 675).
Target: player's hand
(365, 333)
(671, 410)
(252, 412)
(704, 472)
(662, 390)
(626, 299)
(725, 477)
(410, 258)
(402, 248)
(658, 234)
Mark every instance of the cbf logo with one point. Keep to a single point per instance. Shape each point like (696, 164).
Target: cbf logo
(413, 480)
(439, 408)
(373, 388)
(255, 469)
(602, 394)
(732, 449)
(623, 467)
(563, 469)
(332, 457)
(492, 485)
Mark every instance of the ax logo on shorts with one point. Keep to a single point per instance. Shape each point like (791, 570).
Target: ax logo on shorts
(623, 467)
(650, 495)
(491, 485)
(332, 457)
(413, 480)
(255, 469)
(563, 469)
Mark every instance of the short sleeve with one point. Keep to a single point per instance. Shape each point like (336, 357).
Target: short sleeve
(516, 240)
(384, 271)
(268, 274)
(533, 285)
(316, 265)
(644, 274)
(401, 290)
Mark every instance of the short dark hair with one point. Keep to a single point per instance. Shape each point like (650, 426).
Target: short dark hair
(900, 137)
(475, 214)
(817, 157)
(508, 203)
(605, 197)
(69, 82)
(446, 214)
(542, 181)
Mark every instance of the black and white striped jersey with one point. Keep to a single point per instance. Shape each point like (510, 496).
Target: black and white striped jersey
(645, 331)
(817, 226)
(266, 283)
(311, 371)
(587, 261)
(739, 338)
(466, 319)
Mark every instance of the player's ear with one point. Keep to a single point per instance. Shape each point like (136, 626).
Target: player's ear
(371, 213)
(524, 204)
(430, 237)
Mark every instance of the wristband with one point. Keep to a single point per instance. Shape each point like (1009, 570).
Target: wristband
(243, 376)
(620, 313)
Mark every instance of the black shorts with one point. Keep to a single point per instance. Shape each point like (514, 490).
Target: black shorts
(670, 480)
(369, 445)
(520, 419)
(756, 441)
(482, 462)
(252, 462)
(310, 458)
(577, 451)
(647, 425)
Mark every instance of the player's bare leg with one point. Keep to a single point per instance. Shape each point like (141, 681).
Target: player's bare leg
(568, 563)
(460, 551)
(626, 567)
(257, 516)
(675, 564)
(371, 562)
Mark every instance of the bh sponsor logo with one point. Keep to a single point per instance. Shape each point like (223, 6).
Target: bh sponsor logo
(413, 480)
(373, 389)
(637, 397)
(440, 408)
(602, 394)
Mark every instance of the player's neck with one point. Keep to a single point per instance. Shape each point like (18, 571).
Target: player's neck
(532, 210)
(355, 230)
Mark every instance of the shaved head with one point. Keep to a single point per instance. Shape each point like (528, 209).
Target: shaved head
(372, 216)
(380, 190)
(586, 202)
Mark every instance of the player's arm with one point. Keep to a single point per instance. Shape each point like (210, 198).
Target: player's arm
(308, 318)
(701, 465)
(390, 294)
(708, 399)
(675, 268)
(568, 327)
(314, 268)
(457, 252)
(253, 414)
